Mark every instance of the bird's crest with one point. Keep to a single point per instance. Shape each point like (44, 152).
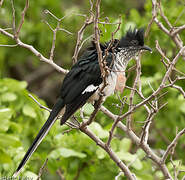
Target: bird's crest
(133, 37)
(105, 45)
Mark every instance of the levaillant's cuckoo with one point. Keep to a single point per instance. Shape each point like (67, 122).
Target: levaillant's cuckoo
(84, 81)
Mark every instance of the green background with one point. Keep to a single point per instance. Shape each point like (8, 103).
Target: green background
(73, 154)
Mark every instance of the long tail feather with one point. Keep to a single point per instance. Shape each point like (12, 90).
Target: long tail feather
(42, 133)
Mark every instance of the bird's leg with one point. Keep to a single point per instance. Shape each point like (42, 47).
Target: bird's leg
(71, 125)
(75, 122)
(82, 112)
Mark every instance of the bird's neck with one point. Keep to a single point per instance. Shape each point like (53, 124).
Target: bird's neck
(121, 61)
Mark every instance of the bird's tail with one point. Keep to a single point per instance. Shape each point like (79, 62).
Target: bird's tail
(42, 133)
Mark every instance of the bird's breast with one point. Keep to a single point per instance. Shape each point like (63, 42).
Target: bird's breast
(111, 84)
(108, 90)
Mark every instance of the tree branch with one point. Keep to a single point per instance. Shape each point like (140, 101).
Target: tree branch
(172, 145)
(34, 51)
(112, 155)
(22, 19)
(42, 169)
(79, 43)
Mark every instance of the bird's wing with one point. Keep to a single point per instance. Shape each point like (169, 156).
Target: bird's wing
(78, 85)
(81, 82)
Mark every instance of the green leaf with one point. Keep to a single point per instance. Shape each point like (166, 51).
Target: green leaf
(88, 108)
(100, 153)
(9, 140)
(126, 156)
(8, 96)
(159, 175)
(16, 127)
(5, 115)
(125, 144)
(29, 111)
(152, 79)
(178, 164)
(3, 89)
(4, 157)
(145, 176)
(182, 107)
(23, 85)
(137, 164)
(131, 158)
(140, 153)
(64, 152)
(98, 130)
(13, 84)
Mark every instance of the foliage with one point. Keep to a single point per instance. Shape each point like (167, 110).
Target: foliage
(73, 154)
(21, 118)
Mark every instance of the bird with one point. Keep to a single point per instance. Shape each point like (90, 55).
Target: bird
(84, 81)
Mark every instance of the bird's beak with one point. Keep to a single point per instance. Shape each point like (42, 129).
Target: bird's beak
(146, 48)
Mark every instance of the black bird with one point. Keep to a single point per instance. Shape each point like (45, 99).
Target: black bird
(84, 81)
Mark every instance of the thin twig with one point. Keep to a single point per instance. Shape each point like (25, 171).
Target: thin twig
(34, 51)
(8, 45)
(117, 177)
(97, 38)
(179, 16)
(42, 169)
(162, 53)
(146, 127)
(163, 16)
(172, 145)
(174, 36)
(82, 43)
(46, 11)
(154, 12)
(22, 18)
(55, 30)
(101, 64)
(131, 98)
(112, 155)
(89, 20)
(40, 105)
(177, 30)
(53, 42)
(108, 23)
(93, 114)
(59, 172)
(13, 17)
(66, 31)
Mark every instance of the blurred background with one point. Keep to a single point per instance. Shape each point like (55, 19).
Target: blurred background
(22, 73)
(42, 79)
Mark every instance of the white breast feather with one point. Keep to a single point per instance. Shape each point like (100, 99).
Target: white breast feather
(111, 81)
(90, 88)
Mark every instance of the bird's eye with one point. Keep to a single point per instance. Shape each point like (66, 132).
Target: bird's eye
(134, 42)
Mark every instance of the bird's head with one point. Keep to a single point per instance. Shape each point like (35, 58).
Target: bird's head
(132, 43)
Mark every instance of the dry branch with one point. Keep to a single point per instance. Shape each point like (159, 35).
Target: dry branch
(34, 51)
(42, 169)
(172, 145)
(59, 20)
(112, 155)
(22, 19)
(151, 107)
(89, 20)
